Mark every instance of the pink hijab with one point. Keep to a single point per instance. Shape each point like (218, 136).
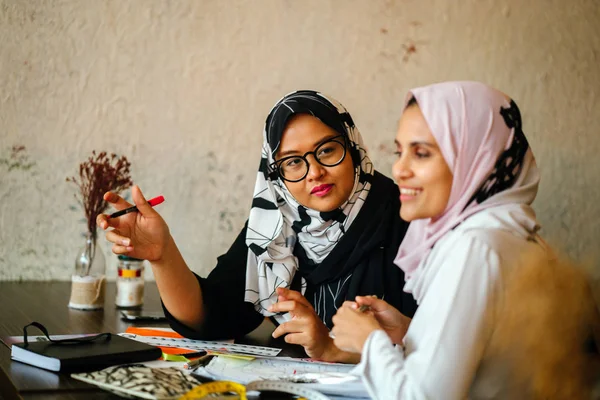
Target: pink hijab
(478, 130)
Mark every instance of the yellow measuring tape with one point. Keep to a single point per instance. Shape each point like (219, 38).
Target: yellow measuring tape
(201, 391)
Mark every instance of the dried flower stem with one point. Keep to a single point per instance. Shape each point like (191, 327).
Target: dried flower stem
(99, 174)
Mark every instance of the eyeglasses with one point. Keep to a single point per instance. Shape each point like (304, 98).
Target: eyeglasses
(328, 154)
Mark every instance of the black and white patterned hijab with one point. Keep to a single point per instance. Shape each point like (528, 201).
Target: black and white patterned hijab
(277, 221)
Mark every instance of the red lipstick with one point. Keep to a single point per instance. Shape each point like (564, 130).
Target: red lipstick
(321, 190)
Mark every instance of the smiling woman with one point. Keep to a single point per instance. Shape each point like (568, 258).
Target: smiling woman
(468, 177)
(421, 171)
(324, 227)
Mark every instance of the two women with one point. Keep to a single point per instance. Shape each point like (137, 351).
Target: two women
(323, 228)
(467, 179)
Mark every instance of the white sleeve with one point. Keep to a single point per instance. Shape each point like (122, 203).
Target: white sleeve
(447, 336)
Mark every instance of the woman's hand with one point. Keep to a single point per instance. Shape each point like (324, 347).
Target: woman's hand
(305, 328)
(143, 234)
(392, 321)
(351, 327)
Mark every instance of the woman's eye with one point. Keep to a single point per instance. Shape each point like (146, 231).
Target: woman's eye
(325, 150)
(294, 162)
(422, 154)
(398, 153)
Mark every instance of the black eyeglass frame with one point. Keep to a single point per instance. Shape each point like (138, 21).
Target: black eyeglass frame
(275, 166)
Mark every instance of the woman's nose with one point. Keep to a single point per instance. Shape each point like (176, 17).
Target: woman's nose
(315, 169)
(401, 169)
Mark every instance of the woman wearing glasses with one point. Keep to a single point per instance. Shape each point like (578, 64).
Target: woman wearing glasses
(324, 227)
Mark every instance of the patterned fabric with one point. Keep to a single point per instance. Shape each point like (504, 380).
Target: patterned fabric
(277, 221)
(509, 164)
(479, 132)
(140, 381)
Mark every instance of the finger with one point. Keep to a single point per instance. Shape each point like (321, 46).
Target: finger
(350, 304)
(289, 305)
(343, 315)
(140, 201)
(293, 295)
(337, 318)
(372, 302)
(295, 338)
(293, 326)
(118, 249)
(332, 332)
(102, 221)
(116, 201)
(118, 239)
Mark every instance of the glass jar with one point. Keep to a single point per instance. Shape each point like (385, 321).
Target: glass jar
(88, 282)
(130, 282)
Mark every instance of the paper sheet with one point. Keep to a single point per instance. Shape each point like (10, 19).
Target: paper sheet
(282, 369)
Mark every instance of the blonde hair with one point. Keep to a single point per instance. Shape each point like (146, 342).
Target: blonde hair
(547, 318)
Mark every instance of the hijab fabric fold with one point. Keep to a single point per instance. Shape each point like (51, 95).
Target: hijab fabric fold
(277, 222)
(479, 132)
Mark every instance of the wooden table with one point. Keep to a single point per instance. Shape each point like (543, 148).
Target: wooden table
(46, 302)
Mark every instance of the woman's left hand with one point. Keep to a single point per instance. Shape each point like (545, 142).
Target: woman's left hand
(305, 328)
(351, 328)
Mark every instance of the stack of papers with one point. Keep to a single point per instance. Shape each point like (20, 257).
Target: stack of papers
(328, 378)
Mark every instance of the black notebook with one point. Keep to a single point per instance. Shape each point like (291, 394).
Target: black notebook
(81, 357)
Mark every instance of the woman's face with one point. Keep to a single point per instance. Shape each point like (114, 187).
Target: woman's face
(420, 171)
(324, 188)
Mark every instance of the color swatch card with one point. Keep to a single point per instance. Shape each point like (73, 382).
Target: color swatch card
(203, 345)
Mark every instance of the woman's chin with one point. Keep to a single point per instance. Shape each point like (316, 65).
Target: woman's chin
(323, 204)
(407, 215)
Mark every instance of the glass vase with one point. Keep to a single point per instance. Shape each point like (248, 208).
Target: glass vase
(88, 282)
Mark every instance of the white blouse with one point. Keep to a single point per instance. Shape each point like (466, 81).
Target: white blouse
(459, 292)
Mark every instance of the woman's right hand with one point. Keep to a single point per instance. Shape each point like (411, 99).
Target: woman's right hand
(143, 234)
(391, 320)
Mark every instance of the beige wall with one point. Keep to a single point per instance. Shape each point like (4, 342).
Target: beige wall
(182, 89)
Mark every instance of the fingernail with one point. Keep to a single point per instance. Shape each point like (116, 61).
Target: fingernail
(125, 242)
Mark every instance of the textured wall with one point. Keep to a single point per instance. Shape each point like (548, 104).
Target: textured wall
(182, 89)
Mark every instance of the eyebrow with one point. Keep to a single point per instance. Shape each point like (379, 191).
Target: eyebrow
(282, 154)
(418, 143)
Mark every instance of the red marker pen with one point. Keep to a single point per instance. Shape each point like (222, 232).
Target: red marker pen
(153, 202)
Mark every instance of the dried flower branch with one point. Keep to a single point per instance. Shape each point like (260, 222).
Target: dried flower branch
(99, 174)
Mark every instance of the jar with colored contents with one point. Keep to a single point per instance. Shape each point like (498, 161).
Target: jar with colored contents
(130, 282)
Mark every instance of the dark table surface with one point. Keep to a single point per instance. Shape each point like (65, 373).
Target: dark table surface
(46, 302)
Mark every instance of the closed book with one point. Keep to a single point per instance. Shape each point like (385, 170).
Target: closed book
(88, 356)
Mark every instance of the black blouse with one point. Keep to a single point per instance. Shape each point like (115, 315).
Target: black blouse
(363, 259)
